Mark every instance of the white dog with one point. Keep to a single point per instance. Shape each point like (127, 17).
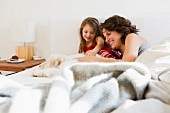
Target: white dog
(54, 64)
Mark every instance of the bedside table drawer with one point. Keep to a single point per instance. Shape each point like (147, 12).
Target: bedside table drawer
(17, 67)
(6, 73)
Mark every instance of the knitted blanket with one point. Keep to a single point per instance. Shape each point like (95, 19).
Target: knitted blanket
(82, 88)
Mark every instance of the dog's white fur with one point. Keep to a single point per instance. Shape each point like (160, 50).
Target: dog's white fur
(46, 72)
(54, 64)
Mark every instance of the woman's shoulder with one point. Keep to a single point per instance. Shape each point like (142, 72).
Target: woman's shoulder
(132, 35)
(134, 38)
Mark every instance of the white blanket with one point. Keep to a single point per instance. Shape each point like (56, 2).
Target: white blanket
(83, 87)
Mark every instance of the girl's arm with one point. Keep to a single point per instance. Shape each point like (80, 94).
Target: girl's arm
(100, 44)
(98, 47)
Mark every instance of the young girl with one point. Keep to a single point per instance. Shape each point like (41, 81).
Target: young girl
(91, 43)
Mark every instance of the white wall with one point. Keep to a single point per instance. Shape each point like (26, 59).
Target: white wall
(44, 10)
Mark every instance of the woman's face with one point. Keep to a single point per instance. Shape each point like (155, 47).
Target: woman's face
(112, 38)
(88, 33)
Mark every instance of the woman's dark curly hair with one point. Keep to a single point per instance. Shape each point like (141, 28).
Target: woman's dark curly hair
(120, 25)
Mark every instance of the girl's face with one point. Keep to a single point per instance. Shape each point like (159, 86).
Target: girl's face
(88, 33)
(112, 38)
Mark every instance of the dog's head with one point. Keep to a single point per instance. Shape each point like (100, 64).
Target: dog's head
(54, 61)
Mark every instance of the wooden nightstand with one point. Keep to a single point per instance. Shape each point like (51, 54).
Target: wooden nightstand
(17, 67)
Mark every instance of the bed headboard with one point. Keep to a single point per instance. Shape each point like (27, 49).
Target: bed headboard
(64, 37)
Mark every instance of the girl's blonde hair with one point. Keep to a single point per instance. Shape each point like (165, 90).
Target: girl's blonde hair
(94, 23)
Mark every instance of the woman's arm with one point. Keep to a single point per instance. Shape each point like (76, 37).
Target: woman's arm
(98, 47)
(98, 59)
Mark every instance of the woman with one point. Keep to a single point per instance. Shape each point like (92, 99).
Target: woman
(121, 35)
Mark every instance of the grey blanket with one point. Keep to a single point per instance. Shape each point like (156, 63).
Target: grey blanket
(157, 100)
(82, 88)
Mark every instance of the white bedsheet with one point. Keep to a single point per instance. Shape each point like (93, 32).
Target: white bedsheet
(25, 77)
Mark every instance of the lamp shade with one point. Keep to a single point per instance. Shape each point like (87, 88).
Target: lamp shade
(23, 31)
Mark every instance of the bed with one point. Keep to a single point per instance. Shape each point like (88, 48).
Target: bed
(142, 86)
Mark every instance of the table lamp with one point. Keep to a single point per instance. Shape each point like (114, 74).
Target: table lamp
(23, 31)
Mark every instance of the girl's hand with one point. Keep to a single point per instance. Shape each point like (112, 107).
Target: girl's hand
(90, 53)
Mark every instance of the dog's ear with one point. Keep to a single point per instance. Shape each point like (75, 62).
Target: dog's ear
(59, 61)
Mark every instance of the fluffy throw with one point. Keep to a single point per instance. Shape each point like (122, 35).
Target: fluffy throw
(82, 88)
